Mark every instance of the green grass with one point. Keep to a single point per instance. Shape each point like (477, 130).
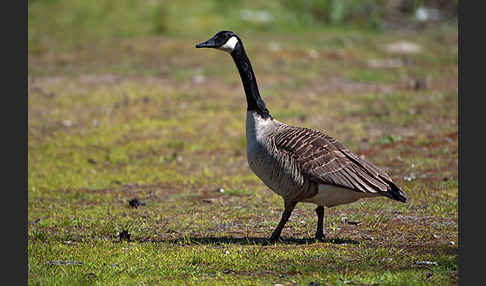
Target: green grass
(151, 262)
(124, 118)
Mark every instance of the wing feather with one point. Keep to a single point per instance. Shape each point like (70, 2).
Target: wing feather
(324, 160)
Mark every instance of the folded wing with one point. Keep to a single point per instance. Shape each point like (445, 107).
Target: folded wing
(323, 160)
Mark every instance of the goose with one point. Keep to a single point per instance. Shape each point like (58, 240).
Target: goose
(298, 163)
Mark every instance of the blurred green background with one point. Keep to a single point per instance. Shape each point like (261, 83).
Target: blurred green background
(70, 23)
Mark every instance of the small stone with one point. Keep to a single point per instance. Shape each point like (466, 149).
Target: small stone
(411, 177)
(403, 47)
(274, 46)
(313, 54)
(198, 79)
(135, 203)
(425, 14)
(388, 63)
(354, 222)
(35, 221)
(67, 123)
(124, 235)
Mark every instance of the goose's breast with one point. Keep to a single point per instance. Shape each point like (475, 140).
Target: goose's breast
(262, 158)
(261, 162)
(276, 172)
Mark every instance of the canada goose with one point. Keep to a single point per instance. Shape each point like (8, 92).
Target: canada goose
(300, 164)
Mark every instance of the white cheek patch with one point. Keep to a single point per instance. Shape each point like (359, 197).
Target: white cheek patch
(230, 45)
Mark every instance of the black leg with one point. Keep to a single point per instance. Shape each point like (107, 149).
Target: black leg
(289, 207)
(320, 223)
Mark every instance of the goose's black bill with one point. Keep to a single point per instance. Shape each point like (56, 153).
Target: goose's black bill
(208, 44)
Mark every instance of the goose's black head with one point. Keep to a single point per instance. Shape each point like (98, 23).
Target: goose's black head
(223, 40)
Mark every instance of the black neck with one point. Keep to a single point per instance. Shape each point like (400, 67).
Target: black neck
(255, 102)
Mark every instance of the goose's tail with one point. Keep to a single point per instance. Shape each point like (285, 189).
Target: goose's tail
(395, 193)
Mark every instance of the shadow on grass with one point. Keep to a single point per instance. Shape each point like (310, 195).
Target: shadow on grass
(253, 241)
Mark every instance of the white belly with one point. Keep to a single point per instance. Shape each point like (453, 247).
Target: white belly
(330, 196)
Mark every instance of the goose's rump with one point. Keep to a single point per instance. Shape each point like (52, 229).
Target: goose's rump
(331, 195)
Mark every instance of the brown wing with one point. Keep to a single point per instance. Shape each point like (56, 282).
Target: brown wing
(324, 160)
